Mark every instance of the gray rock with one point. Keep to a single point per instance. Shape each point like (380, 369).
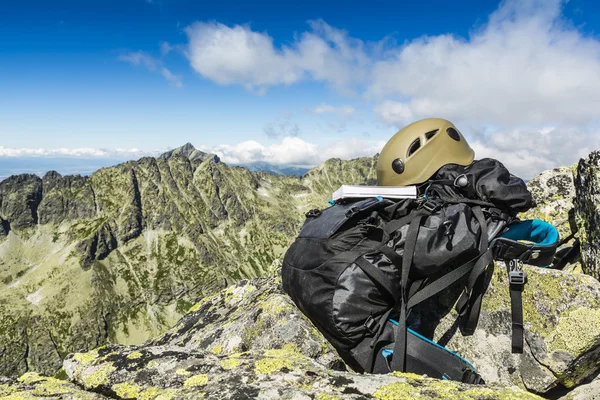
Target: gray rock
(587, 205)
(590, 391)
(20, 197)
(562, 331)
(249, 341)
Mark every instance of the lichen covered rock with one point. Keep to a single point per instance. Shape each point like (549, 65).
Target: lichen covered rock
(553, 192)
(153, 372)
(33, 386)
(249, 316)
(590, 391)
(562, 331)
(587, 203)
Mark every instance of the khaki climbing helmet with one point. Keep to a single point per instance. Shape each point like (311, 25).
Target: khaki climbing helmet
(418, 150)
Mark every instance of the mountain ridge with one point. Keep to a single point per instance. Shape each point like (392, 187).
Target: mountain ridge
(119, 255)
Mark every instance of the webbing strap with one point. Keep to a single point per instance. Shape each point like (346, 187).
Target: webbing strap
(399, 360)
(516, 306)
(468, 305)
(378, 277)
(391, 254)
(441, 283)
(396, 224)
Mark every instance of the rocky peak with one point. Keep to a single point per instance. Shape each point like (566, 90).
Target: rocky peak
(190, 152)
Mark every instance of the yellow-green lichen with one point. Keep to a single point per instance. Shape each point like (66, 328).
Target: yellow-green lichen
(417, 387)
(30, 377)
(152, 364)
(576, 332)
(218, 349)
(5, 390)
(230, 363)
(199, 304)
(99, 376)
(154, 393)
(134, 355)
(269, 365)
(127, 390)
(183, 372)
(86, 358)
(197, 380)
(327, 397)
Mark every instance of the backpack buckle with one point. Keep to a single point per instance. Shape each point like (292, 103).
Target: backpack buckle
(430, 206)
(352, 212)
(314, 213)
(516, 276)
(371, 325)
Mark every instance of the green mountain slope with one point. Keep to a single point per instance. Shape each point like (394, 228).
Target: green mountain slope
(119, 256)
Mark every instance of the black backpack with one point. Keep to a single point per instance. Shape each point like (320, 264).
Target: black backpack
(358, 268)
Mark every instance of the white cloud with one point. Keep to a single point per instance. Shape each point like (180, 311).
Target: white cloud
(141, 58)
(238, 55)
(526, 66)
(294, 151)
(342, 110)
(281, 127)
(165, 48)
(527, 152)
(78, 152)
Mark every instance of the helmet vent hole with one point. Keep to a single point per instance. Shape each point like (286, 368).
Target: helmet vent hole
(453, 133)
(431, 134)
(414, 147)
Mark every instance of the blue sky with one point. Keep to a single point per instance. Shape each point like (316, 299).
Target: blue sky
(295, 83)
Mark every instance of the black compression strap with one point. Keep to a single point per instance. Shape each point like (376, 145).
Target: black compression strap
(399, 359)
(394, 257)
(378, 277)
(396, 224)
(516, 306)
(440, 284)
(469, 304)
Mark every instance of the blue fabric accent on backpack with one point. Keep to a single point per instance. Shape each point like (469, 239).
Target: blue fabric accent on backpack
(331, 202)
(429, 341)
(386, 353)
(539, 232)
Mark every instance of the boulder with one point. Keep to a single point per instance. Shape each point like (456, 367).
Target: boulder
(562, 331)
(153, 372)
(249, 341)
(590, 391)
(587, 205)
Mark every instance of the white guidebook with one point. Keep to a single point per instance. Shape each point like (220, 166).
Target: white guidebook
(390, 192)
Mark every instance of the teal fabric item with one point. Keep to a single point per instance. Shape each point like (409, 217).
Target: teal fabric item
(539, 232)
(386, 353)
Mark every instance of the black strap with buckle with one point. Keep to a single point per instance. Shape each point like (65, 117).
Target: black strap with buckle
(517, 279)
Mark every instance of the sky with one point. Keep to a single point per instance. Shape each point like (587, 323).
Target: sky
(294, 83)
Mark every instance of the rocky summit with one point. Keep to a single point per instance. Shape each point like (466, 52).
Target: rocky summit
(158, 279)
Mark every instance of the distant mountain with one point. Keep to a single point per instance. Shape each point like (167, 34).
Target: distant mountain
(275, 169)
(120, 255)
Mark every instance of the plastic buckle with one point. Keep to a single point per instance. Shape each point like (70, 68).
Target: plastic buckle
(314, 213)
(430, 206)
(371, 325)
(516, 276)
(352, 212)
